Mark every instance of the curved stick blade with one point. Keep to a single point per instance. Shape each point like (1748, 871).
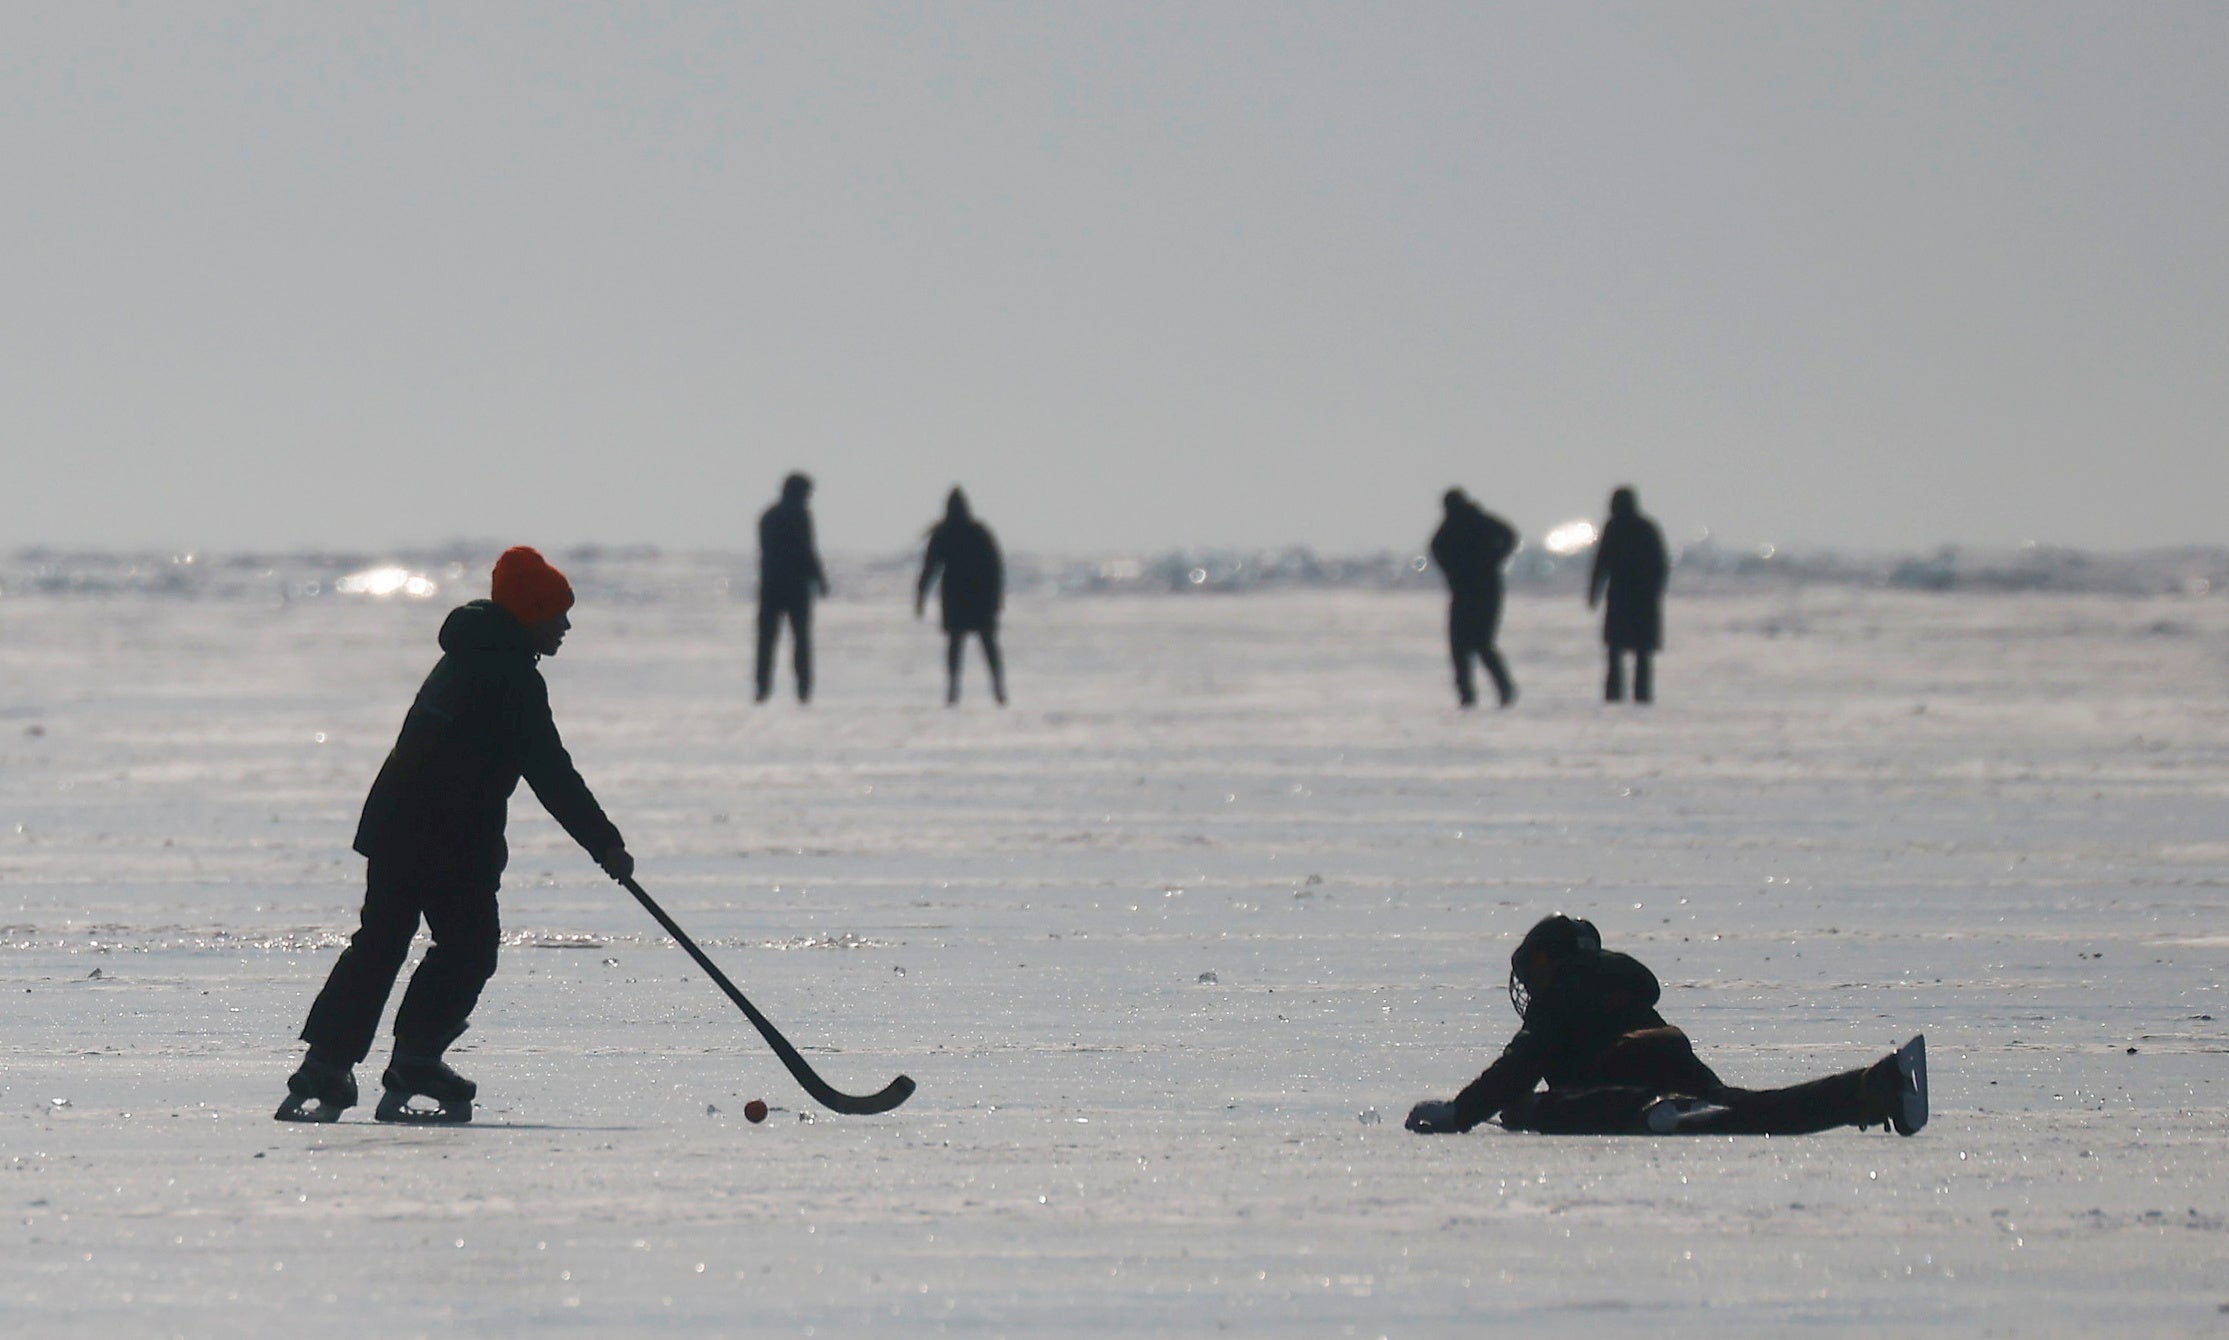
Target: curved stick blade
(852, 1105)
(835, 1100)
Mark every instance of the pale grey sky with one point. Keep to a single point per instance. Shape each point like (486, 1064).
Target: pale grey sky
(1136, 274)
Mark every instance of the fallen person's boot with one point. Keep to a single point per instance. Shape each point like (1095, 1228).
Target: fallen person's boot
(1678, 1114)
(1896, 1089)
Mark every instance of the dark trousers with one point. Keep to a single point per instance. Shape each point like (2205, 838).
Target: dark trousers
(460, 911)
(771, 613)
(1659, 1063)
(1644, 677)
(1472, 625)
(955, 641)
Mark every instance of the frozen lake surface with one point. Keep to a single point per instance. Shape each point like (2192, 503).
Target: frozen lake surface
(1231, 880)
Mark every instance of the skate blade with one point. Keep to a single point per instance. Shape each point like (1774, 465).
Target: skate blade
(299, 1108)
(1911, 1065)
(1682, 1116)
(395, 1106)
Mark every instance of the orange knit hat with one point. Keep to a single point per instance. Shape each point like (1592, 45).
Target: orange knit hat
(527, 586)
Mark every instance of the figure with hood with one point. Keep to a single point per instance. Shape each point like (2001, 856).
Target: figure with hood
(789, 576)
(1470, 547)
(432, 838)
(964, 556)
(1588, 1029)
(1631, 568)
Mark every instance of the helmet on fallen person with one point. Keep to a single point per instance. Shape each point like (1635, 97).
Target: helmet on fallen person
(1554, 938)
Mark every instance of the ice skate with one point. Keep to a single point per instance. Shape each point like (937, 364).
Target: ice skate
(1678, 1114)
(1911, 1066)
(1896, 1089)
(426, 1077)
(318, 1090)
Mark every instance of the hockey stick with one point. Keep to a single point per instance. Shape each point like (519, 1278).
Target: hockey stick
(893, 1093)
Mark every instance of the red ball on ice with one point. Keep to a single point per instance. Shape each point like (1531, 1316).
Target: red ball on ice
(755, 1110)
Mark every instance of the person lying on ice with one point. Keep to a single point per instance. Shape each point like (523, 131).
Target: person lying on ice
(432, 836)
(1614, 1067)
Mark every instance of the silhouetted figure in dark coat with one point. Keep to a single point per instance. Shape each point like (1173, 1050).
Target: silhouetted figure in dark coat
(1612, 1066)
(1470, 548)
(789, 576)
(1631, 567)
(432, 835)
(964, 555)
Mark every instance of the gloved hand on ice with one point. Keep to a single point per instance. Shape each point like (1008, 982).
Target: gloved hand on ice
(1432, 1117)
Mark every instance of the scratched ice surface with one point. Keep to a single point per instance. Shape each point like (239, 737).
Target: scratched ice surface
(1231, 876)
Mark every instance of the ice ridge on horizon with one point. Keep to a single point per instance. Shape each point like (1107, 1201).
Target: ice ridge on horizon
(648, 574)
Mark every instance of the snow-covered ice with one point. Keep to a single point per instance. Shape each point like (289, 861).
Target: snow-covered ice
(1231, 875)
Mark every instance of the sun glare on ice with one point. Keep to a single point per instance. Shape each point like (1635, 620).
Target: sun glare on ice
(1569, 538)
(387, 582)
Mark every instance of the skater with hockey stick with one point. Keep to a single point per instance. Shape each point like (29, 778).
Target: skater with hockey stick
(432, 836)
(1613, 1066)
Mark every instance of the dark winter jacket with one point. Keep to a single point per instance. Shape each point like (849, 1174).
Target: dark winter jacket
(965, 555)
(1470, 548)
(1595, 997)
(1631, 565)
(480, 722)
(789, 571)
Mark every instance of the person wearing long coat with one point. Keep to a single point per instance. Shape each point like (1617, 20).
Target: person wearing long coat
(963, 560)
(789, 576)
(1470, 547)
(1630, 569)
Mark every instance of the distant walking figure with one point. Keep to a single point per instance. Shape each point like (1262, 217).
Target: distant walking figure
(1631, 567)
(964, 554)
(1470, 547)
(789, 576)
